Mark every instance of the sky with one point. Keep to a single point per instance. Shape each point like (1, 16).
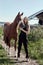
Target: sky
(10, 8)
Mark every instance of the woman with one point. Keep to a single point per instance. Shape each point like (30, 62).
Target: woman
(25, 30)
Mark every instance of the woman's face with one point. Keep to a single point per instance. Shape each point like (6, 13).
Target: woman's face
(25, 20)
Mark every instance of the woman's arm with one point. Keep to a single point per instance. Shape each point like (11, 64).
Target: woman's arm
(18, 26)
(22, 30)
(27, 32)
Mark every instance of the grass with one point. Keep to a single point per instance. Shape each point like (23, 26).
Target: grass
(36, 51)
(4, 60)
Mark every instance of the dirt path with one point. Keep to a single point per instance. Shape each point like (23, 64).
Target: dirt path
(22, 60)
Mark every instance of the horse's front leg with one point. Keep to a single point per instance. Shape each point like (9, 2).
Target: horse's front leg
(15, 48)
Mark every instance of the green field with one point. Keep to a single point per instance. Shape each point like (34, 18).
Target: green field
(35, 46)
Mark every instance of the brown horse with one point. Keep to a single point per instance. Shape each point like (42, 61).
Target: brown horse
(10, 30)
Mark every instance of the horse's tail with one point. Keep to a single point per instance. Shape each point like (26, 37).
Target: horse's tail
(5, 28)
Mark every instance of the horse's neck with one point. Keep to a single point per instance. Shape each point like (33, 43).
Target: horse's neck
(14, 24)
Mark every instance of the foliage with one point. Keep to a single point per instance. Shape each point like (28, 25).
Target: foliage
(36, 33)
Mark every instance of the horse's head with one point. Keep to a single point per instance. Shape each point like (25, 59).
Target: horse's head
(18, 17)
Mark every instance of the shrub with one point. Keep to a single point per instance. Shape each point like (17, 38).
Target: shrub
(36, 34)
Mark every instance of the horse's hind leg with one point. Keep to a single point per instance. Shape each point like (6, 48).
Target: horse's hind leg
(4, 39)
(9, 52)
(8, 45)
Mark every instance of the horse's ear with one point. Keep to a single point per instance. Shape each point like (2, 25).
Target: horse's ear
(22, 13)
(18, 13)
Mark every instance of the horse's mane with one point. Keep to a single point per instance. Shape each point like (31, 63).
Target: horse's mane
(15, 21)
